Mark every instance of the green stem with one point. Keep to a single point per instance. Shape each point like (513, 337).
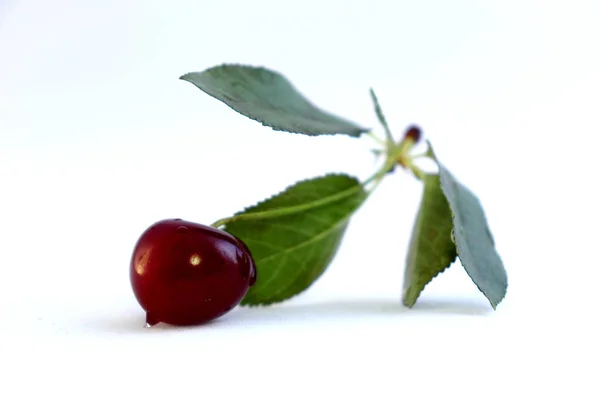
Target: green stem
(393, 153)
(408, 162)
(420, 155)
(221, 222)
(376, 138)
(278, 212)
(381, 118)
(419, 174)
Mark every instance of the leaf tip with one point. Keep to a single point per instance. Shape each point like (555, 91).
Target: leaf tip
(497, 302)
(430, 153)
(409, 303)
(186, 76)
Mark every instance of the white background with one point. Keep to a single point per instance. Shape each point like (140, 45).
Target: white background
(99, 139)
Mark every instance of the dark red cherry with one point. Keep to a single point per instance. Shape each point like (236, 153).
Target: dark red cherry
(184, 273)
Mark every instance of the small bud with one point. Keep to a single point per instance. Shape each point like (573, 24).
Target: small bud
(413, 132)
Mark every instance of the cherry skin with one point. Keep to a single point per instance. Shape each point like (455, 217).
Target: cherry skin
(184, 273)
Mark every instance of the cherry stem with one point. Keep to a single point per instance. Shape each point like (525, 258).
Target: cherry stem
(221, 222)
(394, 154)
(376, 138)
(420, 155)
(381, 117)
(278, 212)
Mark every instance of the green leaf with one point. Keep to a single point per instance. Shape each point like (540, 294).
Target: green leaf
(294, 235)
(269, 98)
(473, 238)
(431, 248)
(381, 116)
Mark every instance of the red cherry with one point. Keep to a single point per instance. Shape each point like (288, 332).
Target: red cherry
(184, 273)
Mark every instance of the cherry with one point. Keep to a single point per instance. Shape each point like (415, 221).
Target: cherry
(184, 273)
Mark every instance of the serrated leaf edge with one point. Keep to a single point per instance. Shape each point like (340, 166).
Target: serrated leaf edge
(428, 282)
(276, 300)
(420, 216)
(356, 134)
(330, 199)
(296, 209)
(441, 166)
